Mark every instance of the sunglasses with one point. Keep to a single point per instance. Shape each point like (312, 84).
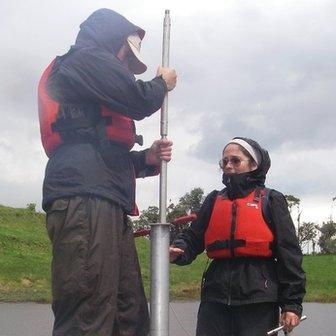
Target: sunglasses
(234, 160)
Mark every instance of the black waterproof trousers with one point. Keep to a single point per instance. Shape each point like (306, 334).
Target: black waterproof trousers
(96, 281)
(216, 319)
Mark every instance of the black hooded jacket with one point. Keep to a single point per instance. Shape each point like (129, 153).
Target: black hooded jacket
(237, 281)
(90, 75)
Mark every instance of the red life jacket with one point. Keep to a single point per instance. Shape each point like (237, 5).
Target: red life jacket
(117, 126)
(237, 228)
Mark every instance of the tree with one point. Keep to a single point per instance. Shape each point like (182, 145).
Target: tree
(31, 208)
(193, 200)
(327, 240)
(151, 215)
(294, 202)
(307, 233)
(189, 202)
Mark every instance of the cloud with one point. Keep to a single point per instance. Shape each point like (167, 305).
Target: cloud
(262, 69)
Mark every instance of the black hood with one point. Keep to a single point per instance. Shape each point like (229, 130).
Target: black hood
(107, 30)
(240, 185)
(265, 163)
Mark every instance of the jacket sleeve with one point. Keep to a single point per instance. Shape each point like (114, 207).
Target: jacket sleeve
(291, 276)
(140, 167)
(91, 75)
(191, 240)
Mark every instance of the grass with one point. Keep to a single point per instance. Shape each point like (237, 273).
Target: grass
(321, 278)
(25, 257)
(184, 281)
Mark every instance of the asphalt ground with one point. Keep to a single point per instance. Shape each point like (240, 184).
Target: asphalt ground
(31, 319)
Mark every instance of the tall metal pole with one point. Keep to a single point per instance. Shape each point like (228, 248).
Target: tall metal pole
(159, 302)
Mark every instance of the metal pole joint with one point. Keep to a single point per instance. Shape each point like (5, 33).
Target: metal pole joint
(159, 224)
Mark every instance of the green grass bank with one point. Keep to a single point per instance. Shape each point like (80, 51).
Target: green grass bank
(25, 257)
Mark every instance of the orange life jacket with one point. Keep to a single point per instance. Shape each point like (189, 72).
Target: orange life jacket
(237, 228)
(117, 126)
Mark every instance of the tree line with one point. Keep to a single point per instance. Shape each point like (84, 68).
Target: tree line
(320, 238)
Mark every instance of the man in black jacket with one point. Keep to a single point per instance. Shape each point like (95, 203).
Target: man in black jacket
(88, 99)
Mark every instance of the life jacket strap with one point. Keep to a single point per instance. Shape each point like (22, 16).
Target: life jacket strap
(226, 244)
(71, 124)
(257, 195)
(62, 125)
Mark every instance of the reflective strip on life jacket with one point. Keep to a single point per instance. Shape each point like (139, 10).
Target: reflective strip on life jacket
(118, 127)
(237, 229)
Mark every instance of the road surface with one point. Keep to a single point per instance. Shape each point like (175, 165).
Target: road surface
(31, 319)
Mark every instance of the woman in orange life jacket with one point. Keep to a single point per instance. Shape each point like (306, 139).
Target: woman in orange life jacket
(247, 231)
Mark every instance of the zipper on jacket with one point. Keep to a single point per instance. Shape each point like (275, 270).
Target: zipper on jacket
(232, 234)
(230, 282)
(263, 273)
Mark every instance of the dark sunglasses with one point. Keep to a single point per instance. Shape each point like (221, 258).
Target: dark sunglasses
(235, 161)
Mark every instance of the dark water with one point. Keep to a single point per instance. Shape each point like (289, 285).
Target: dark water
(29, 319)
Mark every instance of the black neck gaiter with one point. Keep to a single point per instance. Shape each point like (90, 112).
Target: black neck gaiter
(240, 185)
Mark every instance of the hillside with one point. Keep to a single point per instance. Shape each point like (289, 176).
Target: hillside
(25, 257)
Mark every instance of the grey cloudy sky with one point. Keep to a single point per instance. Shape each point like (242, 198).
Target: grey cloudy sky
(261, 69)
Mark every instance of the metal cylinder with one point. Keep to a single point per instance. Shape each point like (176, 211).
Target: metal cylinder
(159, 300)
(165, 63)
